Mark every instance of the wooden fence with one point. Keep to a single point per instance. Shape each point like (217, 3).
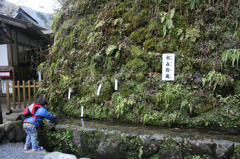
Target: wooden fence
(25, 86)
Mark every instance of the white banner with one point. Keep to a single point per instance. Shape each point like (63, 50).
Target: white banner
(168, 67)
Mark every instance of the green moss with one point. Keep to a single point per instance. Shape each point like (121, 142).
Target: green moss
(136, 65)
(180, 21)
(138, 36)
(236, 152)
(57, 140)
(90, 142)
(127, 29)
(141, 19)
(114, 39)
(150, 44)
(161, 46)
(128, 16)
(140, 76)
(120, 9)
(203, 108)
(105, 93)
(132, 147)
(136, 51)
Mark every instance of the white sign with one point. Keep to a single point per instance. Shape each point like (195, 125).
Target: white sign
(99, 89)
(4, 74)
(3, 82)
(39, 76)
(82, 111)
(69, 93)
(168, 67)
(116, 84)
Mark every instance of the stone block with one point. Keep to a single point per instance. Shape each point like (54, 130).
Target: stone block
(59, 155)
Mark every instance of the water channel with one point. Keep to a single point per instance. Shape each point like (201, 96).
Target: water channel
(193, 134)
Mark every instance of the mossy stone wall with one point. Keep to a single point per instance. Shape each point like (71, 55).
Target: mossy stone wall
(98, 41)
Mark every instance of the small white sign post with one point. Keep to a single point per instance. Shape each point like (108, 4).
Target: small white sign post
(168, 67)
(82, 111)
(99, 89)
(39, 76)
(69, 93)
(116, 84)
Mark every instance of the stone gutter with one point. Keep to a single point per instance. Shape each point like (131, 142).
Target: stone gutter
(108, 144)
(95, 143)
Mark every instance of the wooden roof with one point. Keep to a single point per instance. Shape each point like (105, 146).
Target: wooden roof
(24, 27)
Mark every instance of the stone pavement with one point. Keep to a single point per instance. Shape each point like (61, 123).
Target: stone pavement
(15, 112)
(14, 150)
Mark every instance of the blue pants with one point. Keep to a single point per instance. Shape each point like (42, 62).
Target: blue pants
(31, 139)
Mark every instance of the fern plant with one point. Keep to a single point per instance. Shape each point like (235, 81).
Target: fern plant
(214, 79)
(232, 55)
(170, 94)
(121, 105)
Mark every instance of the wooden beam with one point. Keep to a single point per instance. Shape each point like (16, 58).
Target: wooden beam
(12, 21)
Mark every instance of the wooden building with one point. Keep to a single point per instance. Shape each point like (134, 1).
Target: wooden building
(21, 39)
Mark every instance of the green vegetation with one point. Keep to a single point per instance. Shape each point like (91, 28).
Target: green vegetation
(97, 42)
(54, 140)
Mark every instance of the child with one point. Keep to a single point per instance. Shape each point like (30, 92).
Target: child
(31, 124)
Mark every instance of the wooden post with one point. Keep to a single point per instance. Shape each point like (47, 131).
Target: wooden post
(24, 94)
(7, 94)
(34, 91)
(19, 97)
(13, 94)
(29, 92)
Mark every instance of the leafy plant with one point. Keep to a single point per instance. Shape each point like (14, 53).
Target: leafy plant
(110, 49)
(232, 55)
(99, 24)
(168, 21)
(215, 78)
(169, 94)
(192, 34)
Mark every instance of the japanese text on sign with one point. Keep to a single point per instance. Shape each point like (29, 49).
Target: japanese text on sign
(168, 67)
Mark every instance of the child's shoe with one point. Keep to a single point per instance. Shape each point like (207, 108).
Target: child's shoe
(27, 148)
(39, 148)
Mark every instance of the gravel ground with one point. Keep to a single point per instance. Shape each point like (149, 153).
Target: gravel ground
(16, 151)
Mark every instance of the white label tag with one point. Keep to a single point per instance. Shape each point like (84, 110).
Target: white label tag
(69, 93)
(82, 111)
(116, 84)
(39, 76)
(99, 89)
(168, 67)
